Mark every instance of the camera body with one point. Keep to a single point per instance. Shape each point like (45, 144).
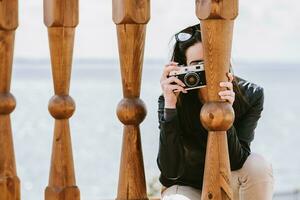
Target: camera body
(192, 76)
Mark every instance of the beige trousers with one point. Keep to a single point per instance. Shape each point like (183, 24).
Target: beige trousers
(254, 181)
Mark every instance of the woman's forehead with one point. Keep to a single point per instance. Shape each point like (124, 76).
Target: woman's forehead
(194, 53)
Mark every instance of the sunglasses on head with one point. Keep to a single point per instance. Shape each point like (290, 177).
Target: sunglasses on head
(187, 33)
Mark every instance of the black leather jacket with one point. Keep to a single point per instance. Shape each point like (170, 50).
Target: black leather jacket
(182, 147)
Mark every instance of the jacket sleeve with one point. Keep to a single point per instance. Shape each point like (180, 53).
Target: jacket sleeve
(170, 159)
(241, 134)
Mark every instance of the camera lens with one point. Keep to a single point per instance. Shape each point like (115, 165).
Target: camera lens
(191, 79)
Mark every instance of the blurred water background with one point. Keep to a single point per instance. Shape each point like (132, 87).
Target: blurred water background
(97, 133)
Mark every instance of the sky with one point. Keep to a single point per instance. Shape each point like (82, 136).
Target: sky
(265, 30)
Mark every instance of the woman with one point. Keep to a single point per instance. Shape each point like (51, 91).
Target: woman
(183, 138)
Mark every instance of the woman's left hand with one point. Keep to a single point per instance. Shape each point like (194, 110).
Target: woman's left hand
(228, 94)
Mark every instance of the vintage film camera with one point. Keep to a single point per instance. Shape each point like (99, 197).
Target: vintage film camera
(192, 76)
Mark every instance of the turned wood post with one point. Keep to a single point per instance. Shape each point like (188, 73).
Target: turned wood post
(131, 18)
(217, 116)
(61, 18)
(9, 181)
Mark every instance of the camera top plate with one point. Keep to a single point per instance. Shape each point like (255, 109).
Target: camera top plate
(186, 69)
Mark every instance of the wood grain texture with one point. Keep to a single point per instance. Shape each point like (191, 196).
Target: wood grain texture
(61, 18)
(61, 42)
(132, 184)
(62, 183)
(131, 18)
(9, 181)
(8, 14)
(131, 11)
(217, 39)
(7, 38)
(217, 9)
(131, 40)
(131, 111)
(216, 115)
(61, 13)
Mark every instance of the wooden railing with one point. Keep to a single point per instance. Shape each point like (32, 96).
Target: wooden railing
(217, 116)
(61, 18)
(9, 181)
(131, 18)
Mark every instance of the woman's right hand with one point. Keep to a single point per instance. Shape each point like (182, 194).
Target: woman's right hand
(171, 91)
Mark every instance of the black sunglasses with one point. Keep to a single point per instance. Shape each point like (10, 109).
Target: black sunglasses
(187, 33)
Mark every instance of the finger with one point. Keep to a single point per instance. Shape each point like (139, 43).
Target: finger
(178, 91)
(173, 63)
(171, 67)
(230, 76)
(176, 80)
(227, 93)
(168, 69)
(166, 82)
(230, 99)
(229, 85)
(172, 88)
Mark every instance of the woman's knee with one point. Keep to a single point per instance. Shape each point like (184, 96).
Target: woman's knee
(257, 168)
(178, 192)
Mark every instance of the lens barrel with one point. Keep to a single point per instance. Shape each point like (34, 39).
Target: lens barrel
(191, 79)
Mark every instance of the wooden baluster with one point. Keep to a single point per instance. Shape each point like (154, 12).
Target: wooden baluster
(216, 115)
(9, 181)
(61, 18)
(131, 18)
